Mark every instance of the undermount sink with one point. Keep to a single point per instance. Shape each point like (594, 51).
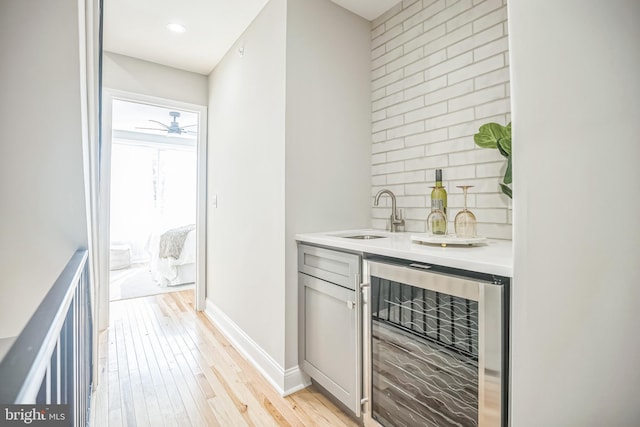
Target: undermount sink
(364, 236)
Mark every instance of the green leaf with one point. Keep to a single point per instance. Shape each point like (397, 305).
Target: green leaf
(506, 190)
(504, 146)
(507, 174)
(489, 134)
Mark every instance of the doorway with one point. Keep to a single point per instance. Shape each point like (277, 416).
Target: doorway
(153, 169)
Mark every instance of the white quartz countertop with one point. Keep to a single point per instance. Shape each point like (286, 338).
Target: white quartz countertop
(494, 257)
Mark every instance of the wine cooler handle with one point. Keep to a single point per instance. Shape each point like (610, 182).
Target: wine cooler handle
(365, 343)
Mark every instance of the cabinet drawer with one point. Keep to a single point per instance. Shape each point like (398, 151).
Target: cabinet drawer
(333, 266)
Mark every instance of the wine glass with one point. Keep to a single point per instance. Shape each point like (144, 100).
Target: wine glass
(465, 221)
(437, 222)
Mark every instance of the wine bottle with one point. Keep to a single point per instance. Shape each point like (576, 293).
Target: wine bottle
(439, 202)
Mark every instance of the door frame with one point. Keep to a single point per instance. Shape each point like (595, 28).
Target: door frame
(109, 95)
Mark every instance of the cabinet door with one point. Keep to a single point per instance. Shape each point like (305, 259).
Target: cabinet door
(329, 338)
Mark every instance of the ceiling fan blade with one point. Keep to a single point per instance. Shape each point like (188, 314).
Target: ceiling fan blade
(188, 126)
(161, 124)
(161, 130)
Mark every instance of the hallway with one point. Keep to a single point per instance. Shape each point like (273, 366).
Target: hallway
(167, 365)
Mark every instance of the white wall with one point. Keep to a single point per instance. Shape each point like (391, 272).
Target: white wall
(288, 152)
(42, 202)
(246, 234)
(440, 69)
(147, 78)
(576, 104)
(328, 140)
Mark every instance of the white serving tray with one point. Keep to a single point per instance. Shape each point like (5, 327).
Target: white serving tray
(448, 239)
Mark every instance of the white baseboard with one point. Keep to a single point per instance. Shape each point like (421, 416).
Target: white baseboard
(284, 381)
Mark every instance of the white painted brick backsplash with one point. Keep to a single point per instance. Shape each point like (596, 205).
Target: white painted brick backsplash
(461, 172)
(379, 137)
(476, 69)
(386, 36)
(407, 3)
(450, 92)
(388, 123)
(426, 138)
(377, 94)
(406, 177)
(391, 55)
(501, 106)
(387, 101)
(497, 46)
(378, 180)
(440, 69)
(405, 14)
(426, 112)
(388, 145)
(412, 201)
(378, 115)
(461, 61)
(378, 73)
(407, 153)
(427, 11)
(404, 38)
(404, 60)
(492, 78)
(427, 163)
(490, 169)
(472, 157)
(474, 13)
(449, 119)
(450, 146)
(405, 130)
(451, 38)
(407, 82)
(426, 87)
(398, 190)
(387, 168)
(490, 19)
(424, 38)
(476, 98)
(414, 104)
(417, 188)
(491, 200)
(426, 63)
(478, 39)
(387, 79)
(375, 53)
(377, 159)
(470, 128)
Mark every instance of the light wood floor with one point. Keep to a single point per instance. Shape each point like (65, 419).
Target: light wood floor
(168, 365)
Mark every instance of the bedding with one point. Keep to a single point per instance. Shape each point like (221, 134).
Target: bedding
(173, 256)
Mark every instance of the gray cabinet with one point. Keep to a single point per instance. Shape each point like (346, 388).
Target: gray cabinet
(330, 322)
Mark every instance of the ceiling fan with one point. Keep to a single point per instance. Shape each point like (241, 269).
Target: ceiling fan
(174, 127)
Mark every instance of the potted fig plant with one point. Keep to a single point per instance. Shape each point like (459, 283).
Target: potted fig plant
(494, 135)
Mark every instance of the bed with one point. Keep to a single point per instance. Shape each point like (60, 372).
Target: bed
(173, 256)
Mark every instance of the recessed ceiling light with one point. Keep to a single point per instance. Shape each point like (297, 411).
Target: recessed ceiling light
(176, 28)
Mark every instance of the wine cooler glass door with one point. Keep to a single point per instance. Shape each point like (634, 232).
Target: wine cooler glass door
(428, 336)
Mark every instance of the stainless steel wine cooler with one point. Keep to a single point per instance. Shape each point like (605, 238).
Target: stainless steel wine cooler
(434, 341)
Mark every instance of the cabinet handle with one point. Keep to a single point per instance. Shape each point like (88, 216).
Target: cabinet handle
(351, 305)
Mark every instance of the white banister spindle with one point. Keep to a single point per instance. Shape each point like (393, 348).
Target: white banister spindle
(58, 378)
(47, 388)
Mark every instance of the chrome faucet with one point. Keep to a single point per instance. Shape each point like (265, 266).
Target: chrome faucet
(395, 219)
